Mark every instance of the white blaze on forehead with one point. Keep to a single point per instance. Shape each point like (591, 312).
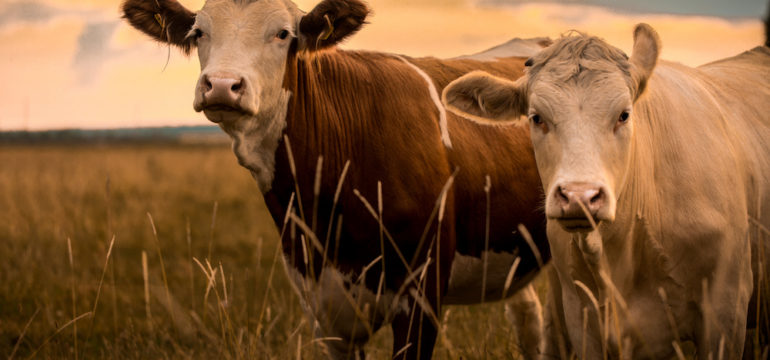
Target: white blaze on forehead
(436, 100)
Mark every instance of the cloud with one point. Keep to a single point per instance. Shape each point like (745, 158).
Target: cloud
(27, 11)
(719, 8)
(38, 13)
(121, 78)
(93, 48)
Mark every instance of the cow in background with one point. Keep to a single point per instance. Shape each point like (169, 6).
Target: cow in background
(657, 180)
(389, 206)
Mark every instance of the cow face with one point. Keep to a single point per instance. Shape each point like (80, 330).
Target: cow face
(578, 96)
(242, 50)
(244, 47)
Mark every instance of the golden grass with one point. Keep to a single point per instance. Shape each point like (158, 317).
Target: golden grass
(211, 288)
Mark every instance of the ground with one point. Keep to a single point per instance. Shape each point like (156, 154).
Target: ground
(209, 217)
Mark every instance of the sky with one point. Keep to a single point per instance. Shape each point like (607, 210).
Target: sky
(75, 64)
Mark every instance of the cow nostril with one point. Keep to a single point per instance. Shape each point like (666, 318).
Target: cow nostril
(207, 83)
(237, 87)
(562, 196)
(598, 197)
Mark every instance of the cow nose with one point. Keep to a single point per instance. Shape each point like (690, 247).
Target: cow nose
(572, 195)
(222, 90)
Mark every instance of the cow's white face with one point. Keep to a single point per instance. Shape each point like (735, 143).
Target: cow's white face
(581, 132)
(578, 96)
(244, 48)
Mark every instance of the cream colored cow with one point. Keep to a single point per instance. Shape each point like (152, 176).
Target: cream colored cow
(657, 180)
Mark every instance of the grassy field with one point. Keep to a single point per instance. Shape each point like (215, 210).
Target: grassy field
(177, 214)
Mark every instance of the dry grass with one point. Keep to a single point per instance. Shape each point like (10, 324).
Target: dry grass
(209, 287)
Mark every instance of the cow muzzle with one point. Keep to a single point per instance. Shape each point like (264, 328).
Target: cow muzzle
(222, 96)
(579, 207)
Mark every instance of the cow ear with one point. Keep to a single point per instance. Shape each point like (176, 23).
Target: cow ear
(164, 20)
(485, 98)
(644, 55)
(330, 22)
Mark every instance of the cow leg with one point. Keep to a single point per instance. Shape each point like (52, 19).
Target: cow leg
(718, 338)
(724, 308)
(340, 346)
(414, 334)
(415, 331)
(343, 311)
(526, 314)
(556, 343)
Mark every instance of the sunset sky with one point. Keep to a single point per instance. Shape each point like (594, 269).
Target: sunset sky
(74, 64)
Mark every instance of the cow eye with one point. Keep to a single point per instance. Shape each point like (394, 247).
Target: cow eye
(195, 34)
(624, 116)
(283, 34)
(535, 118)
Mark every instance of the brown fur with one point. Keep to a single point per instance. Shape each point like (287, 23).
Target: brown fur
(374, 110)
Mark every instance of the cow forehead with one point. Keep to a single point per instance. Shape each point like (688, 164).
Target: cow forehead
(585, 61)
(255, 11)
(590, 92)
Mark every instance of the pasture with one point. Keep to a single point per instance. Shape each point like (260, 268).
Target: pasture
(191, 273)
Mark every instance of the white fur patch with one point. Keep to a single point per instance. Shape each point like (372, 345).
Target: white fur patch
(343, 307)
(465, 279)
(256, 139)
(436, 100)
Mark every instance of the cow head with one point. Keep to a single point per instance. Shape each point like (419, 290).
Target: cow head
(578, 95)
(243, 47)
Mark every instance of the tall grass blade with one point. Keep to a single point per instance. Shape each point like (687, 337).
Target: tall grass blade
(678, 350)
(59, 330)
(487, 190)
(509, 277)
(190, 273)
(146, 277)
(333, 209)
(293, 169)
(211, 230)
(163, 266)
(21, 336)
(316, 192)
(98, 294)
(669, 314)
(74, 306)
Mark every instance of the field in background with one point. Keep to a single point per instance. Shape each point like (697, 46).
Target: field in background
(205, 209)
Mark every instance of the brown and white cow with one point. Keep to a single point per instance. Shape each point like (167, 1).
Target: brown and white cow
(355, 152)
(657, 178)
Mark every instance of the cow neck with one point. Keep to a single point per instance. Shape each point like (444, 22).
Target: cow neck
(255, 140)
(313, 123)
(634, 237)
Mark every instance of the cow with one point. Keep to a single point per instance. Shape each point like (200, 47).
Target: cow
(389, 207)
(657, 181)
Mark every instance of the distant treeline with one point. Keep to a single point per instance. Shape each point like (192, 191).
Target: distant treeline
(180, 134)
